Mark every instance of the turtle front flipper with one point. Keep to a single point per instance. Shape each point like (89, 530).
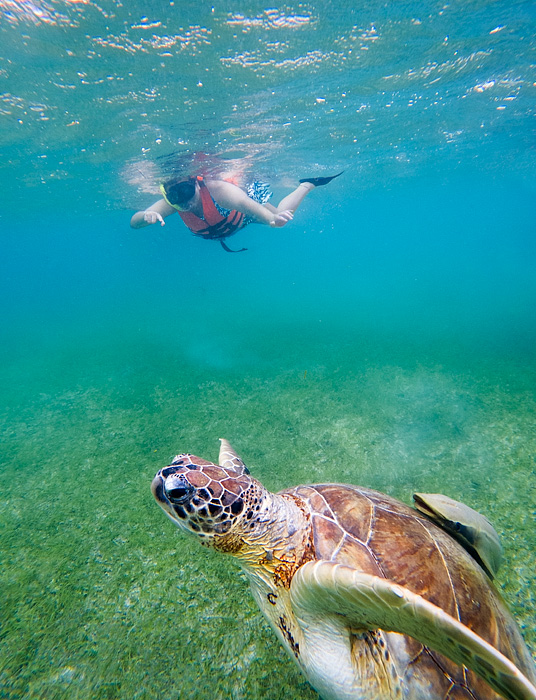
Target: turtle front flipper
(370, 602)
(229, 459)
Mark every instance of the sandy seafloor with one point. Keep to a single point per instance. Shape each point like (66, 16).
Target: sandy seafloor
(385, 338)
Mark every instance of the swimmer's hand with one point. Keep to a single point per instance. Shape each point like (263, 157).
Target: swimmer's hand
(282, 218)
(151, 217)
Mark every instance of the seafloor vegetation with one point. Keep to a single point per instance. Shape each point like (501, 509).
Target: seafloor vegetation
(101, 597)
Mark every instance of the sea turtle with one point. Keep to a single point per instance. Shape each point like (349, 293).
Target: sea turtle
(372, 599)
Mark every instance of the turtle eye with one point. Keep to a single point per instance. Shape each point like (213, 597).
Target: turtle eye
(178, 490)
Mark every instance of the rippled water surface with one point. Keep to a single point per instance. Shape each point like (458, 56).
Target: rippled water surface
(385, 337)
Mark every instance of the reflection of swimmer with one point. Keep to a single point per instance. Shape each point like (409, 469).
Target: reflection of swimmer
(217, 209)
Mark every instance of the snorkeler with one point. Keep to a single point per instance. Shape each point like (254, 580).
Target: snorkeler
(217, 209)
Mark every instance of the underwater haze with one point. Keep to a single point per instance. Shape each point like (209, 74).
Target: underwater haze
(386, 337)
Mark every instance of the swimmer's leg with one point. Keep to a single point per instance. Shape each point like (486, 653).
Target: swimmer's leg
(293, 200)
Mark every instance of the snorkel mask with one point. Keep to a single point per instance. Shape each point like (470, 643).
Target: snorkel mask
(179, 194)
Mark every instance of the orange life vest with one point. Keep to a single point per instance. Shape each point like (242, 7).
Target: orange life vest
(213, 224)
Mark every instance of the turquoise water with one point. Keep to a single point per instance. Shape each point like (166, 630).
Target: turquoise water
(386, 337)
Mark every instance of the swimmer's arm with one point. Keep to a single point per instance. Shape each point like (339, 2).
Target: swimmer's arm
(230, 196)
(156, 212)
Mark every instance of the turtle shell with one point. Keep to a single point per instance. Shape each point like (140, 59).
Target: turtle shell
(379, 535)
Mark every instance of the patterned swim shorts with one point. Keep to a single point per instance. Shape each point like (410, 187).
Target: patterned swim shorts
(258, 191)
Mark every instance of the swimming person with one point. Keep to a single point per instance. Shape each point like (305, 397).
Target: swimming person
(217, 209)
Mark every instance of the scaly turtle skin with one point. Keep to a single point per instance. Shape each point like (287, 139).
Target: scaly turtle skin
(372, 599)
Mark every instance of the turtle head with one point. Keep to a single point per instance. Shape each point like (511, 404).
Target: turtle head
(207, 499)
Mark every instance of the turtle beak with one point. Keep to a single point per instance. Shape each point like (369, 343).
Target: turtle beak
(157, 488)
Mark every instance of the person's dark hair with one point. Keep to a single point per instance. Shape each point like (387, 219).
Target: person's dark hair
(180, 193)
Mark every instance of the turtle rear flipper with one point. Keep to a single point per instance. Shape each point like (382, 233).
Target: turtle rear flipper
(370, 602)
(472, 530)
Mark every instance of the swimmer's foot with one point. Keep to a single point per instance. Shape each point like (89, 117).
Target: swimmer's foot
(319, 181)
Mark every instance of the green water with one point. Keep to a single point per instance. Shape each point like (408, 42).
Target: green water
(384, 338)
(103, 598)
